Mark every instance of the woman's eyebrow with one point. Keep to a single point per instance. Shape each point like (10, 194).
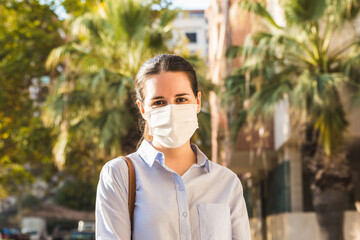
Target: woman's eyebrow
(157, 97)
(181, 94)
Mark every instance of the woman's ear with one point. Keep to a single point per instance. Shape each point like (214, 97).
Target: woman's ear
(198, 101)
(141, 108)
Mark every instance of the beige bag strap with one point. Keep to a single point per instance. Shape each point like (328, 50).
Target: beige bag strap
(132, 189)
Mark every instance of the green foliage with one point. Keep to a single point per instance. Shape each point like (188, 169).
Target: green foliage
(233, 51)
(237, 122)
(25, 155)
(76, 8)
(259, 9)
(91, 103)
(304, 10)
(304, 60)
(236, 92)
(27, 35)
(201, 136)
(77, 195)
(30, 201)
(28, 32)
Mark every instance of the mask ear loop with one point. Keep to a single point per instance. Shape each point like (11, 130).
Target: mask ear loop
(148, 124)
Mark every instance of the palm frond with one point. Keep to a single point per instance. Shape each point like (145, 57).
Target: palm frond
(304, 11)
(167, 17)
(235, 86)
(104, 52)
(88, 24)
(62, 53)
(263, 102)
(302, 61)
(234, 51)
(326, 83)
(112, 124)
(347, 10)
(258, 9)
(129, 18)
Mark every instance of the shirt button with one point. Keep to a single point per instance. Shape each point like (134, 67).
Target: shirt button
(181, 189)
(184, 214)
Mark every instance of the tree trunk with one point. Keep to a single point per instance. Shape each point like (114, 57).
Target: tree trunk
(218, 42)
(329, 206)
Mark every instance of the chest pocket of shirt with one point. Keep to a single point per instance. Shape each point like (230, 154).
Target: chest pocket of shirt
(215, 222)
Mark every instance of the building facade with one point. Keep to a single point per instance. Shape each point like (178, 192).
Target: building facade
(276, 184)
(190, 28)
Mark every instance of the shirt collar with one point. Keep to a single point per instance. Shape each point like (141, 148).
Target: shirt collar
(202, 160)
(149, 154)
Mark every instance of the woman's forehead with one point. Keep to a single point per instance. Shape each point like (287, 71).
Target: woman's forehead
(167, 84)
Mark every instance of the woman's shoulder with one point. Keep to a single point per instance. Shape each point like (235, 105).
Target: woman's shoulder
(115, 163)
(115, 168)
(229, 179)
(214, 168)
(118, 165)
(115, 171)
(222, 172)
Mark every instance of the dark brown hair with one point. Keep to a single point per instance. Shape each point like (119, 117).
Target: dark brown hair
(156, 65)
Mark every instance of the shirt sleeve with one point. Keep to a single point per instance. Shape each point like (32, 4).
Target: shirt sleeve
(239, 217)
(111, 211)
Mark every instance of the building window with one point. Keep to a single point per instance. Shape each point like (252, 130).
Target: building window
(191, 37)
(196, 14)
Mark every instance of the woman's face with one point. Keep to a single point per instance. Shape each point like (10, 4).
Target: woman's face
(168, 88)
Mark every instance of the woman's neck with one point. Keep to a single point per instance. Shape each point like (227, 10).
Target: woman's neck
(178, 159)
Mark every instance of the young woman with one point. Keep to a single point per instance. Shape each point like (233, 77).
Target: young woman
(180, 193)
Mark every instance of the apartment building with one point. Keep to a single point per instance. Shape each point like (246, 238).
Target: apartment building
(190, 29)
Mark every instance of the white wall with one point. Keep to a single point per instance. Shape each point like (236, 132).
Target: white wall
(281, 123)
(185, 24)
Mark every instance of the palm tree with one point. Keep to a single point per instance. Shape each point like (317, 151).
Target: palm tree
(91, 102)
(307, 62)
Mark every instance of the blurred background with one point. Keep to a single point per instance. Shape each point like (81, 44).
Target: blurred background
(281, 87)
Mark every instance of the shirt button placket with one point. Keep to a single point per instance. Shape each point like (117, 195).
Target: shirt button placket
(183, 209)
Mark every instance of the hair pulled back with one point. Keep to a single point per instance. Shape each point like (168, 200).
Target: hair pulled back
(158, 64)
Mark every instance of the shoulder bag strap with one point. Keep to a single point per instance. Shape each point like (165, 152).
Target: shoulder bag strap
(132, 189)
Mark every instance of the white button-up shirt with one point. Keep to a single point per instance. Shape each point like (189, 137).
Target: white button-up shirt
(205, 203)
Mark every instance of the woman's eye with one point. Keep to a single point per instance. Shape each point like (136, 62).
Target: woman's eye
(181, 100)
(158, 103)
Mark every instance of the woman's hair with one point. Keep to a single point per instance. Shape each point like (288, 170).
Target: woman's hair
(158, 64)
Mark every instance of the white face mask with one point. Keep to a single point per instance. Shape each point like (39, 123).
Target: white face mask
(173, 125)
